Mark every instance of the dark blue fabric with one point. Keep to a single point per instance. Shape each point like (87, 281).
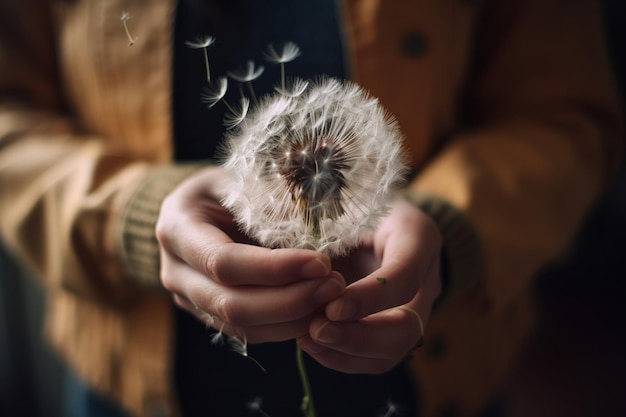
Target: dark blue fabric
(82, 401)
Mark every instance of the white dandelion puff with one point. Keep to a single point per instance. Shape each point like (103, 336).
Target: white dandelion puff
(214, 92)
(240, 345)
(218, 337)
(203, 42)
(231, 120)
(314, 174)
(247, 73)
(288, 53)
(295, 89)
(124, 18)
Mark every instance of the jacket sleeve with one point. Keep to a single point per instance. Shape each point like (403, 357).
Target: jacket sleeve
(544, 138)
(62, 191)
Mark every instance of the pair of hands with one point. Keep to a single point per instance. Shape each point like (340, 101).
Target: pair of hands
(340, 313)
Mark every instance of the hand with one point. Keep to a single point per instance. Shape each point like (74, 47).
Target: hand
(371, 327)
(215, 273)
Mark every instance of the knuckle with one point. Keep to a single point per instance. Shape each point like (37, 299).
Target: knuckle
(162, 231)
(225, 310)
(167, 279)
(164, 227)
(213, 261)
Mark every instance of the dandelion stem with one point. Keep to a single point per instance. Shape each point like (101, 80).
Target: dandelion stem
(251, 89)
(257, 363)
(206, 65)
(307, 400)
(131, 40)
(228, 106)
(282, 75)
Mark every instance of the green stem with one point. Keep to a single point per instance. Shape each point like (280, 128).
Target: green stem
(307, 400)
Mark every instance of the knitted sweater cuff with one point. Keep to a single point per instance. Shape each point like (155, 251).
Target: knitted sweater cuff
(462, 267)
(138, 247)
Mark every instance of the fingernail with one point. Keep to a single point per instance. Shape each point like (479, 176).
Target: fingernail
(328, 290)
(342, 310)
(329, 334)
(315, 268)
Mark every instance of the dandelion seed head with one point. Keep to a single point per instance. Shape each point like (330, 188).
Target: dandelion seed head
(201, 42)
(288, 52)
(125, 17)
(296, 88)
(231, 120)
(214, 92)
(327, 168)
(247, 73)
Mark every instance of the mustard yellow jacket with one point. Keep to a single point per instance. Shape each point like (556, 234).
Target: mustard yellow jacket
(509, 111)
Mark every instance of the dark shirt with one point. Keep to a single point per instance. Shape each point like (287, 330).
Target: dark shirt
(212, 381)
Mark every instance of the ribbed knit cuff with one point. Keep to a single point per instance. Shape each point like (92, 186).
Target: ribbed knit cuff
(139, 249)
(462, 259)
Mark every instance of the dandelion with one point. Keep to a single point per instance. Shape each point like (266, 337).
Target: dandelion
(297, 88)
(246, 75)
(314, 174)
(288, 53)
(203, 42)
(215, 92)
(218, 337)
(125, 17)
(237, 344)
(231, 120)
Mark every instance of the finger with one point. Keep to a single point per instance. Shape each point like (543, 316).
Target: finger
(211, 252)
(388, 335)
(410, 256)
(278, 332)
(246, 306)
(257, 334)
(343, 362)
(208, 319)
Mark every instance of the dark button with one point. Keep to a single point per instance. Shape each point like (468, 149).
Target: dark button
(414, 45)
(436, 347)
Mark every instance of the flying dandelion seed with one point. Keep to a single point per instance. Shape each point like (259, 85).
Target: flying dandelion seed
(203, 42)
(288, 53)
(124, 18)
(246, 75)
(214, 92)
(314, 170)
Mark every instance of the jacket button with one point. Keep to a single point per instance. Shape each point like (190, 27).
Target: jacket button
(414, 45)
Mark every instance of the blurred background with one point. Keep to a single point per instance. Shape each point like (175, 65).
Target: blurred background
(574, 365)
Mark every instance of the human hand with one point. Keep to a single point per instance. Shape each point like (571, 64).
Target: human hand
(396, 272)
(217, 275)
